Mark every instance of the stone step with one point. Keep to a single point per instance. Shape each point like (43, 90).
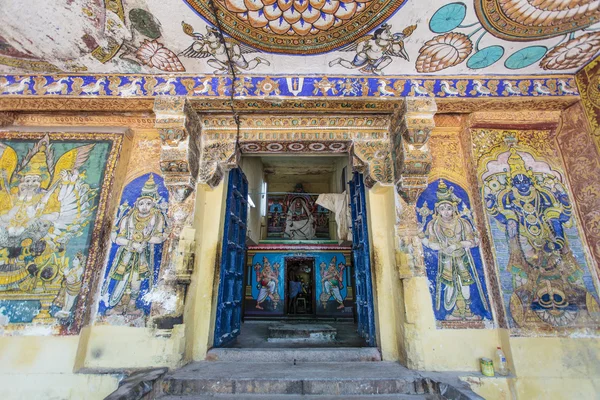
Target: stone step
(323, 379)
(315, 355)
(303, 397)
(284, 332)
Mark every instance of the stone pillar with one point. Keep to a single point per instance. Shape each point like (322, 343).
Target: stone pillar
(180, 134)
(410, 133)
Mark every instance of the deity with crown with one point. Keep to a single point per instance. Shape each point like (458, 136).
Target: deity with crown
(534, 210)
(137, 231)
(452, 235)
(44, 203)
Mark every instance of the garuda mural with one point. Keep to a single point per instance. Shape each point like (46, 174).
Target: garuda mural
(48, 193)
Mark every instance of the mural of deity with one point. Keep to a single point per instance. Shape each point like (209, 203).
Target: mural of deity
(47, 204)
(300, 223)
(452, 256)
(267, 279)
(138, 236)
(332, 279)
(531, 207)
(276, 216)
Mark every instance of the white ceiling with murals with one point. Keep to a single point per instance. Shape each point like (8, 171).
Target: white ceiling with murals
(303, 37)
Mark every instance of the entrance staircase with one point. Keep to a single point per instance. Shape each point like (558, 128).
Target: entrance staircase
(290, 374)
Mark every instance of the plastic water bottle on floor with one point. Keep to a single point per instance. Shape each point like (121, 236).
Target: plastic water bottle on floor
(500, 367)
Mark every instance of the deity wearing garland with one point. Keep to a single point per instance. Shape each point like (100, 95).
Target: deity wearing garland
(138, 230)
(534, 210)
(451, 235)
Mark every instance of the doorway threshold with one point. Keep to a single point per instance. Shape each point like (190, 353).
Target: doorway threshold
(255, 335)
(299, 355)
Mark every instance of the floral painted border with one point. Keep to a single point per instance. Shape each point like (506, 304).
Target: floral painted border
(144, 86)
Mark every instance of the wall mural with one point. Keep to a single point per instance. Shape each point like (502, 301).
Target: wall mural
(140, 229)
(453, 259)
(296, 216)
(544, 272)
(267, 285)
(267, 282)
(329, 36)
(521, 21)
(51, 195)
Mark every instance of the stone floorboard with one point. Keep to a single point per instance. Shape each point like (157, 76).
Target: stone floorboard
(370, 379)
(254, 334)
(305, 397)
(331, 355)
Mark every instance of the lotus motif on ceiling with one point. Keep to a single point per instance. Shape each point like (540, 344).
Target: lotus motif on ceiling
(528, 20)
(296, 26)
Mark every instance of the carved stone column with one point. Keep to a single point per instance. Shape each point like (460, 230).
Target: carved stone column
(180, 133)
(179, 127)
(412, 160)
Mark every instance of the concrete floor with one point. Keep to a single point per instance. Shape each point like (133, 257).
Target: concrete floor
(255, 333)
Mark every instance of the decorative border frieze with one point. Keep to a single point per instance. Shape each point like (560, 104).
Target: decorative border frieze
(136, 86)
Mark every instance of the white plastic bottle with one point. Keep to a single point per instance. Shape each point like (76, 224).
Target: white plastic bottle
(500, 362)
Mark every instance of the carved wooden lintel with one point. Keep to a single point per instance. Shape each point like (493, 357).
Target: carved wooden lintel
(180, 133)
(410, 132)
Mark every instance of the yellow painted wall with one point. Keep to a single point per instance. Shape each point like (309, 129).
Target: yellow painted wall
(41, 367)
(253, 169)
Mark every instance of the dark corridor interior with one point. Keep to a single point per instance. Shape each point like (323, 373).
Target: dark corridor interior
(300, 286)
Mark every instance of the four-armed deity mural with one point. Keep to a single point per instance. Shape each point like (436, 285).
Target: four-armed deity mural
(139, 231)
(544, 274)
(49, 197)
(452, 256)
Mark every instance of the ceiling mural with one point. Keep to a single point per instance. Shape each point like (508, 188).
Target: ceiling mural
(299, 37)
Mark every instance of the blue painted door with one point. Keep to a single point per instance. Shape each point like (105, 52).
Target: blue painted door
(362, 260)
(231, 283)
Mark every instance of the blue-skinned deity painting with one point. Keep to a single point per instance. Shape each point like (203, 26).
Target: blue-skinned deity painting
(452, 256)
(544, 275)
(138, 235)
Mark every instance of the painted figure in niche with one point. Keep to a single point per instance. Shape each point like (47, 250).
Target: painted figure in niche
(451, 234)
(220, 57)
(268, 280)
(534, 210)
(71, 286)
(333, 282)
(43, 205)
(300, 223)
(138, 230)
(276, 217)
(374, 52)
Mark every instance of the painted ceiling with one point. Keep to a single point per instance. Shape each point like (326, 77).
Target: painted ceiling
(301, 37)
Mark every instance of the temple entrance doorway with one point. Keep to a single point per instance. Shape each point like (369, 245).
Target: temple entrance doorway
(300, 285)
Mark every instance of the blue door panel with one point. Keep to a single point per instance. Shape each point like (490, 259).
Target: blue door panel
(229, 303)
(362, 261)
